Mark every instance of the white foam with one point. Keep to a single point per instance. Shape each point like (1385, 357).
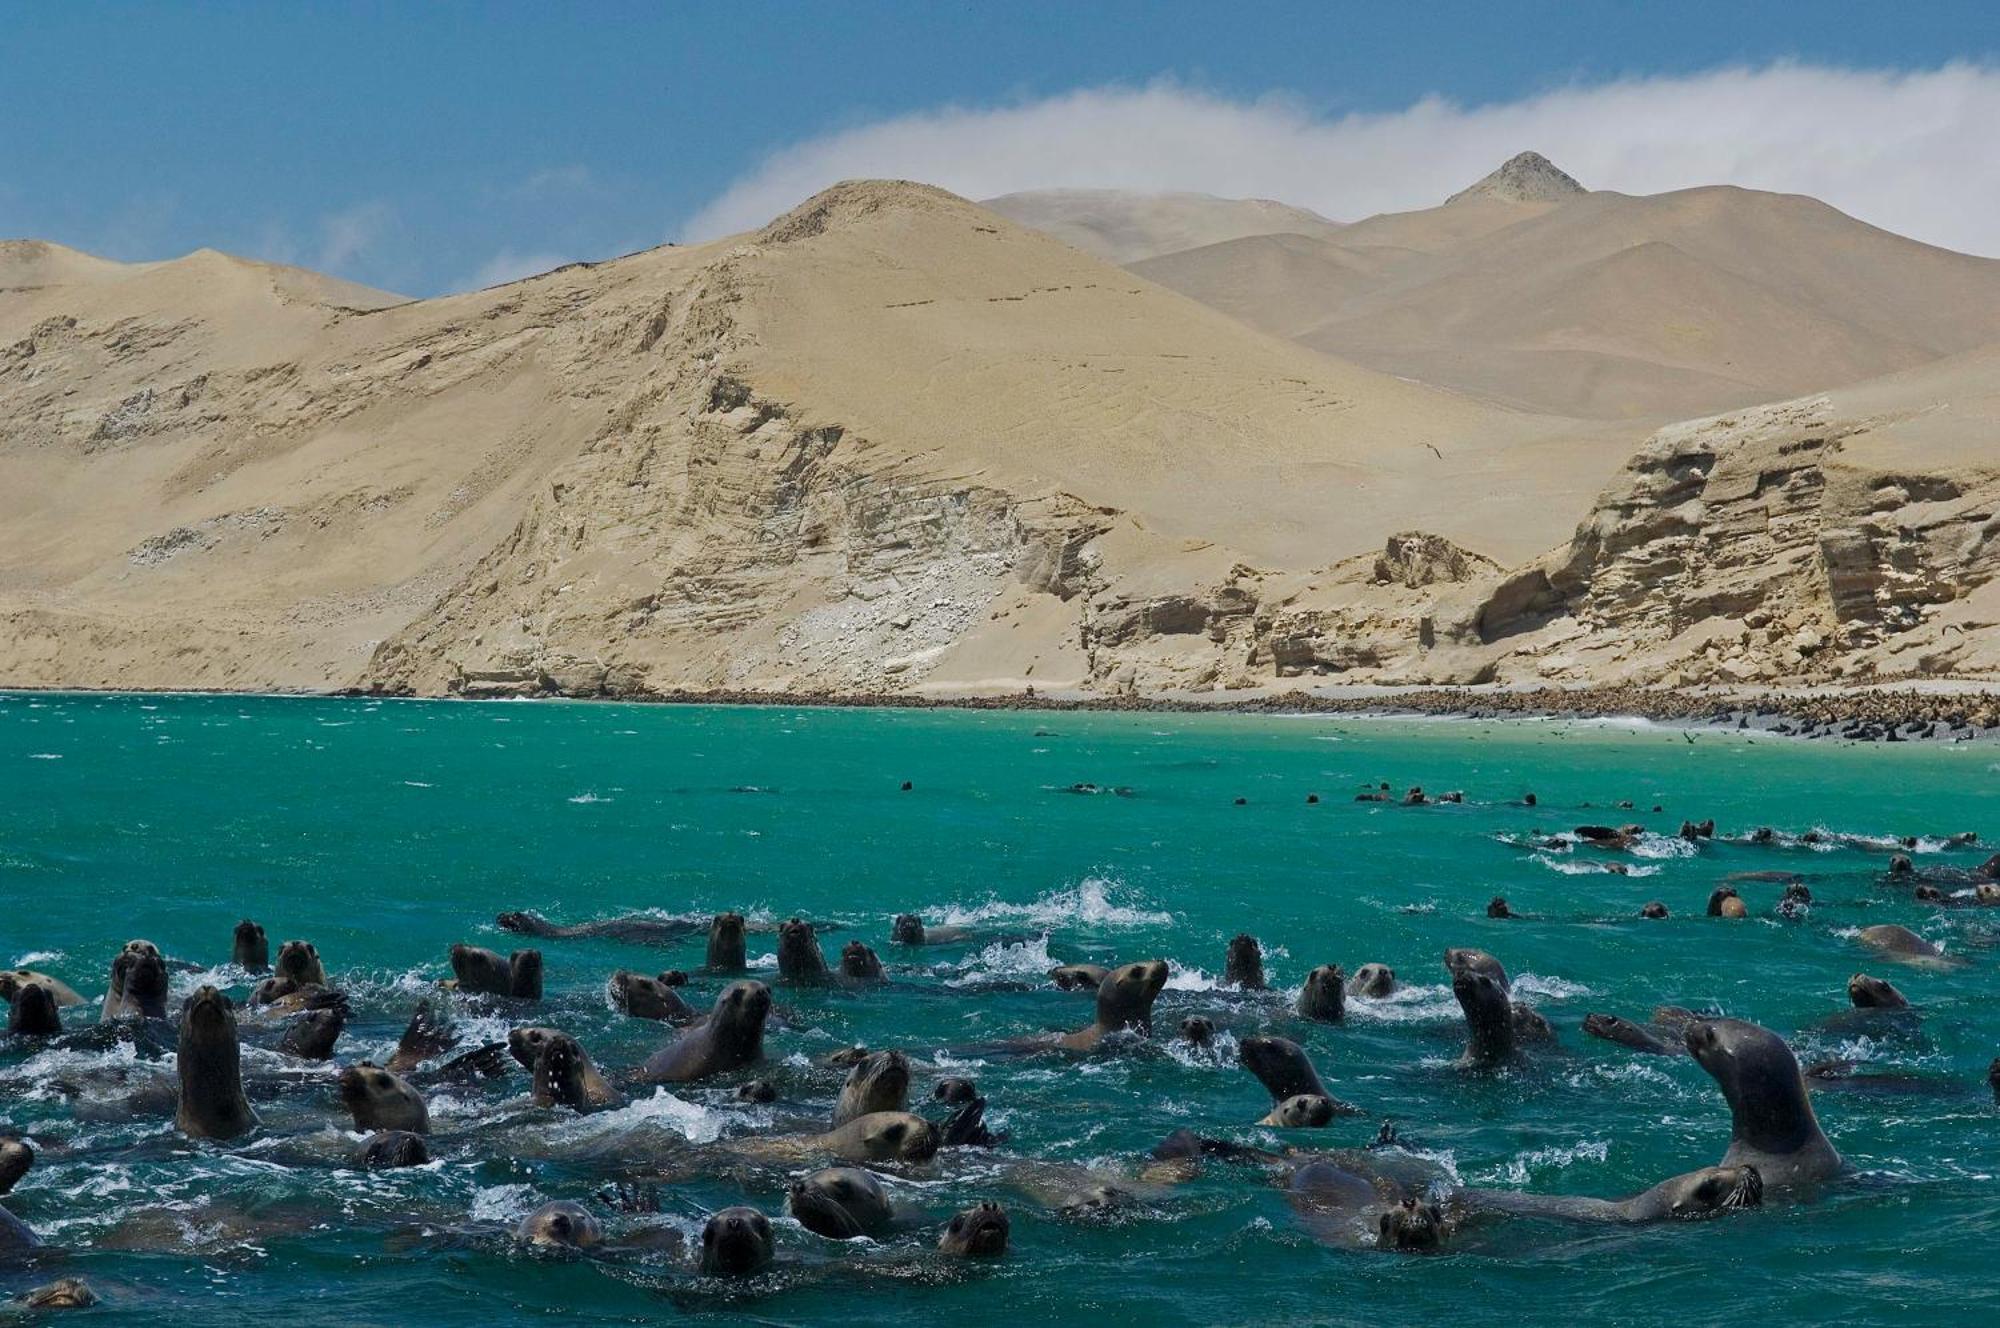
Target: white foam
(1029, 959)
(33, 957)
(585, 799)
(1091, 902)
(1520, 1170)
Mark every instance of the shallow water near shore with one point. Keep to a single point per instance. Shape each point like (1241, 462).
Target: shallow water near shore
(385, 831)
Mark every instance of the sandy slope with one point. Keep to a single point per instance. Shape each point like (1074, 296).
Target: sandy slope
(1124, 227)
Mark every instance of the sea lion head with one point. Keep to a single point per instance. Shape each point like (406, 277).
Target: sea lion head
(1466, 960)
(380, 1100)
(907, 929)
(1869, 993)
(65, 1293)
(1929, 894)
(896, 1136)
(757, 1090)
(1077, 977)
(560, 1071)
(1993, 1078)
(726, 942)
(1653, 909)
(1489, 1014)
(1900, 865)
(645, 998)
(839, 1203)
(1198, 1031)
(954, 1092)
(387, 1149)
(1374, 981)
(34, 1012)
(1716, 898)
(1244, 964)
(208, 1012)
(736, 1242)
(980, 1232)
(1713, 1190)
(16, 1160)
(858, 961)
(798, 950)
(1125, 997)
(739, 1013)
(880, 1081)
(298, 961)
(525, 1044)
(560, 1225)
(1280, 1064)
(1760, 1077)
(1986, 892)
(1303, 1111)
(251, 949)
(1324, 996)
(1497, 907)
(1412, 1227)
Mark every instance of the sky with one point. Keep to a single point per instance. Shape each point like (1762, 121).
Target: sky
(425, 148)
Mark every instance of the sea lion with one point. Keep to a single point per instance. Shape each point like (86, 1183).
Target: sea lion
(1613, 1028)
(726, 952)
(138, 986)
(758, 1091)
(858, 963)
(1772, 1126)
(1698, 830)
(979, 1232)
(297, 971)
(209, 1060)
(909, 929)
(12, 980)
(17, 1159)
(639, 929)
(1653, 909)
(1465, 959)
(1489, 1016)
(1078, 977)
(312, 1034)
(1324, 996)
(1894, 942)
(1868, 993)
(1374, 981)
(879, 1082)
(1285, 1070)
(1497, 907)
(250, 949)
(1718, 897)
(565, 1077)
(1302, 1111)
(379, 1100)
(1243, 966)
(1346, 1202)
(1795, 902)
(1198, 1031)
(799, 956)
(1606, 837)
(648, 998)
(562, 1225)
(426, 1037)
(482, 972)
(736, 1242)
(1704, 1192)
(388, 1149)
(840, 1203)
(32, 1012)
(880, 1136)
(954, 1091)
(1124, 1001)
(730, 1038)
(65, 1293)
(15, 1236)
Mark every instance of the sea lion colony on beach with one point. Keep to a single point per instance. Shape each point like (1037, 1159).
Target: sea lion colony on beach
(839, 1155)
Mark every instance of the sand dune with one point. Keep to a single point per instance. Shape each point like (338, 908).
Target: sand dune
(1123, 227)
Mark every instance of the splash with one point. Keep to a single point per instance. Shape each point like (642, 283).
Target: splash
(1094, 901)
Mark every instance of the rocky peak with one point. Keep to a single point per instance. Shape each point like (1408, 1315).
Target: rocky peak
(1527, 177)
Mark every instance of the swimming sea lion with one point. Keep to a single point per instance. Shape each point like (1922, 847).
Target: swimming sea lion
(1124, 1001)
(1374, 981)
(1078, 977)
(379, 1100)
(1324, 996)
(858, 963)
(209, 1060)
(1867, 993)
(481, 971)
(1705, 1192)
(297, 971)
(1697, 830)
(1346, 1202)
(1717, 897)
(840, 1203)
(1303, 1111)
(1653, 909)
(1772, 1123)
(565, 1077)
(561, 1224)
(32, 1012)
(1285, 1070)
(757, 1090)
(138, 986)
(980, 1232)
(1198, 1031)
(954, 1091)
(388, 1149)
(1625, 1033)
(1489, 1016)
(879, 1082)
(1243, 966)
(726, 952)
(1497, 907)
(648, 998)
(249, 949)
(799, 956)
(65, 1293)
(730, 1038)
(1894, 942)
(17, 1159)
(637, 928)
(736, 1242)
(312, 1034)
(12, 980)
(909, 929)
(879, 1136)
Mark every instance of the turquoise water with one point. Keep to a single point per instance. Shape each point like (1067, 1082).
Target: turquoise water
(385, 831)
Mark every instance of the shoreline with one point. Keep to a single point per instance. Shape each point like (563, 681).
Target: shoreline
(1889, 713)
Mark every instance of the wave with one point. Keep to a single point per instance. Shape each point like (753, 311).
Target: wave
(1095, 901)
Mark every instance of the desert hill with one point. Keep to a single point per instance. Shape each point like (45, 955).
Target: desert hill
(1124, 227)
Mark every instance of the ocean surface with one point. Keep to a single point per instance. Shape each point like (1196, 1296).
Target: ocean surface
(386, 831)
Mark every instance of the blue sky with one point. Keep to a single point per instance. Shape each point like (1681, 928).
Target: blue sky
(431, 147)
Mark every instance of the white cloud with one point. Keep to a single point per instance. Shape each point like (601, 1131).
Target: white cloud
(1912, 152)
(352, 233)
(510, 265)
